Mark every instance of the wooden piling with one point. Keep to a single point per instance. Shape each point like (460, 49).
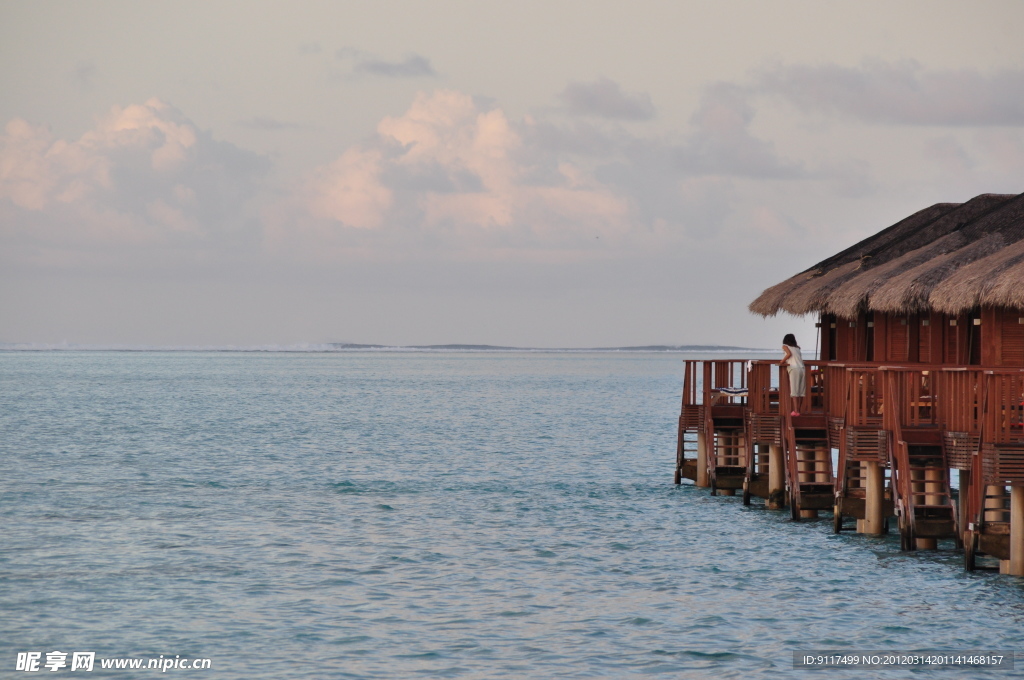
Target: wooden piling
(1016, 561)
(862, 524)
(807, 455)
(776, 478)
(931, 479)
(702, 461)
(995, 502)
(995, 509)
(823, 463)
(965, 489)
(874, 521)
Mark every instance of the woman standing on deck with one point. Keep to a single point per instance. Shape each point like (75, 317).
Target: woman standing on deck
(794, 363)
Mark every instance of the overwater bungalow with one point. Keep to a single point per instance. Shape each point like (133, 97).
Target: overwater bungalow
(921, 371)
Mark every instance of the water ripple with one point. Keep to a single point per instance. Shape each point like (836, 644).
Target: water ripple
(443, 515)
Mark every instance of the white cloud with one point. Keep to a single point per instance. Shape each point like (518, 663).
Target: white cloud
(349, 190)
(144, 174)
(450, 174)
(453, 167)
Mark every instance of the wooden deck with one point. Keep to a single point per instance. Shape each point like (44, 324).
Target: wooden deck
(896, 431)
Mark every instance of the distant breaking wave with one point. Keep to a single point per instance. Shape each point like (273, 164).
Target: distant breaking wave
(355, 347)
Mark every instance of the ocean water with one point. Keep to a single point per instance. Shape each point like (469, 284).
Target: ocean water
(434, 515)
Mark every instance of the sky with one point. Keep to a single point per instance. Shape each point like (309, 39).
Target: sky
(543, 174)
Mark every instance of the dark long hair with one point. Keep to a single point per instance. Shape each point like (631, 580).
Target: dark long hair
(790, 340)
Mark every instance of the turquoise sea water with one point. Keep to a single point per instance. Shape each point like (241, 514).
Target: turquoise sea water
(402, 515)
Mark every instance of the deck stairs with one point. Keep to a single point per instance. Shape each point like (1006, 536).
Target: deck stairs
(809, 475)
(924, 502)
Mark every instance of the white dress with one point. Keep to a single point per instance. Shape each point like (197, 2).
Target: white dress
(797, 372)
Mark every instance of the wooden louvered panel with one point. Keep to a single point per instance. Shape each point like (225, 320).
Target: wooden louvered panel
(988, 463)
(1013, 338)
(846, 340)
(765, 429)
(952, 346)
(693, 417)
(1003, 463)
(1010, 465)
(924, 343)
(898, 339)
(835, 431)
(960, 448)
(867, 444)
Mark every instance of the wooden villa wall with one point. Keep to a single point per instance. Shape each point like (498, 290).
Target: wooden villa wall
(989, 337)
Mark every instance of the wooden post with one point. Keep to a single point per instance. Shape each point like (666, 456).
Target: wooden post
(995, 507)
(995, 503)
(776, 478)
(702, 461)
(725, 456)
(1016, 566)
(965, 490)
(805, 454)
(822, 454)
(874, 521)
(862, 524)
(930, 486)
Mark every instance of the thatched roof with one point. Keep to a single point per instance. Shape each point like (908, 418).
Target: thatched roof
(949, 258)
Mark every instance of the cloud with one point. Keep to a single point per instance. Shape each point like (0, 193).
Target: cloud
(350, 191)
(722, 143)
(605, 99)
(452, 174)
(903, 93)
(453, 167)
(414, 66)
(83, 75)
(144, 175)
(456, 170)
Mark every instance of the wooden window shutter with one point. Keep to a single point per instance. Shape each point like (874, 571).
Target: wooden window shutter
(924, 339)
(1013, 338)
(897, 339)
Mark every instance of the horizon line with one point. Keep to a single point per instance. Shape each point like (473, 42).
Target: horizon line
(358, 347)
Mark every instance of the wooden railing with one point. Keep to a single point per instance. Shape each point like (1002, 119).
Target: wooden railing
(951, 397)
(864, 397)
(835, 389)
(899, 457)
(692, 371)
(960, 399)
(1003, 412)
(1001, 460)
(920, 473)
(911, 397)
(973, 407)
(722, 374)
(817, 398)
(691, 414)
(762, 389)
